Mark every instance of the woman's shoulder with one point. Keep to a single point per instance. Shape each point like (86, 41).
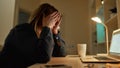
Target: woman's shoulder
(22, 27)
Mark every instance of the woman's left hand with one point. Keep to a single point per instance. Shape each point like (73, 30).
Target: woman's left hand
(57, 25)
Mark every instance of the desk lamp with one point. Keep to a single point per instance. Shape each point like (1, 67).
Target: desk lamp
(98, 20)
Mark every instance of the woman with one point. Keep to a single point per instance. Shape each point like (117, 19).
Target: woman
(34, 42)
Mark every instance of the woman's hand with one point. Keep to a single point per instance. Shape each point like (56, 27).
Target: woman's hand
(57, 25)
(51, 20)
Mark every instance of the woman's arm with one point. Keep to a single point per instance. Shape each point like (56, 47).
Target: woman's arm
(45, 45)
(59, 47)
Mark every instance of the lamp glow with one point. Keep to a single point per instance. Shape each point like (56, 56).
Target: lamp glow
(102, 2)
(96, 19)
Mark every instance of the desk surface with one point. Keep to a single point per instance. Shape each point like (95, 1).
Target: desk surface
(71, 61)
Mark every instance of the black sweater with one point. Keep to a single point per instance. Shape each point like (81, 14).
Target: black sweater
(23, 48)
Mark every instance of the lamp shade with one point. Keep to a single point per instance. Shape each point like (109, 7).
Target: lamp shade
(96, 19)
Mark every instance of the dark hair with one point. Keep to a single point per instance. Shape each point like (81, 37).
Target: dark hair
(43, 10)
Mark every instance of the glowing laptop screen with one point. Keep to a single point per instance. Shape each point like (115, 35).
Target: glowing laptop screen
(115, 43)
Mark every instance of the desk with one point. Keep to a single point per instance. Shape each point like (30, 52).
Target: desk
(72, 61)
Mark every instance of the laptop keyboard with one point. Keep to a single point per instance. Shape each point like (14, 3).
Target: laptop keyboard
(102, 58)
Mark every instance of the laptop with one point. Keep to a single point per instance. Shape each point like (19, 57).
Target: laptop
(113, 53)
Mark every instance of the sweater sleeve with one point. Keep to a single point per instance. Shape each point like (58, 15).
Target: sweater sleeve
(45, 45)
(59, 47)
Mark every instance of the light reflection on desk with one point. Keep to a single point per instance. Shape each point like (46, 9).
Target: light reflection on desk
(68, 61)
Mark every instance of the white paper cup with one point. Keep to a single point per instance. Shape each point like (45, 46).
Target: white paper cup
(82, 49)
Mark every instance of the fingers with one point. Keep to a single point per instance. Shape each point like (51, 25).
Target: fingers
(57, 24)
(59, 19)
(52, 20)
(56, 16)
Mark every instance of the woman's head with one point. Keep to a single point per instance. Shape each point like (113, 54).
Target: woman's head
(42, 11)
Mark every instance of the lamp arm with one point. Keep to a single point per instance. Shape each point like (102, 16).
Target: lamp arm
(107, 41)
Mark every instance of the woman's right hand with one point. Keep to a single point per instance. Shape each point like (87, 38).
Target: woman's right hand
(51, 20)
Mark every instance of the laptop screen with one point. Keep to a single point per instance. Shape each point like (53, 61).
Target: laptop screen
(115, 43)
